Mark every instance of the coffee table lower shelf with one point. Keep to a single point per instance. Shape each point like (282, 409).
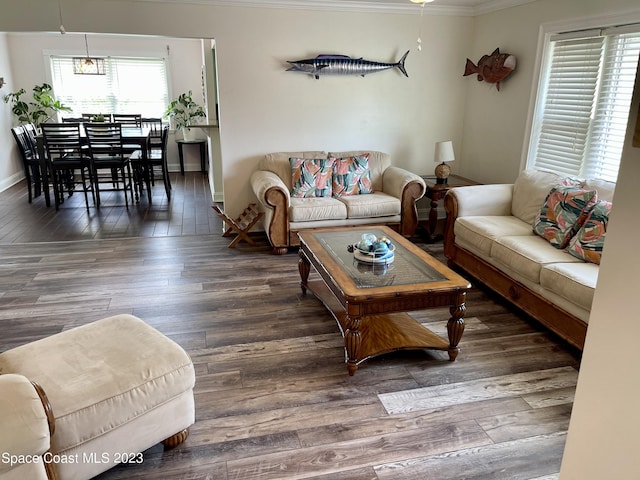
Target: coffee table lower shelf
(380, 333)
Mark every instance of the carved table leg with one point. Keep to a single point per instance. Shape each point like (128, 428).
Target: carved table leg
(352, 342)
(455, 328)
(304, 267)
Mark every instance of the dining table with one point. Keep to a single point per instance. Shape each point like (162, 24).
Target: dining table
(130, 136)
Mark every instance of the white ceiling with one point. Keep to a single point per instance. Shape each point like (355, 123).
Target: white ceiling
(436, 7)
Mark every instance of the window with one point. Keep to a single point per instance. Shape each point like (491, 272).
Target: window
(131, 85)
(583, 103)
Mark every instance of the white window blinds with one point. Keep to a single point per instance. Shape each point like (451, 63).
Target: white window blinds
(584, 101)
(131, 85)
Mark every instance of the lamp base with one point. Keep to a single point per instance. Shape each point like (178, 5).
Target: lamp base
(442, 172)
(441, 181)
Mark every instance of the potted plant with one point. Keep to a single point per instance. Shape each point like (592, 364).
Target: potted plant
(42, 107)
(99, 117)
(185, 112)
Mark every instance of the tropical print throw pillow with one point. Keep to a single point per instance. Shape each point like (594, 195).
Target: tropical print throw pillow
(563, 213)
(588, 243)
(311, 177)
(351, 176)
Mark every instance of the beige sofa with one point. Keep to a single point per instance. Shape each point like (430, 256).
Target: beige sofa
(489, 233)
(393, 201)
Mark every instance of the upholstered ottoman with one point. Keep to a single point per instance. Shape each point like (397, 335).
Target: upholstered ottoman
(116, 387)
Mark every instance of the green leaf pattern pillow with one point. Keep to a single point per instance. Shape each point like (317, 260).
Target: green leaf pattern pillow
(563, 213)
(311, 177)
(351, 176)
(588, 243)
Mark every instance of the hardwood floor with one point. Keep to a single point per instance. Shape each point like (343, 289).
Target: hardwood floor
(188, 213)
(273, 397)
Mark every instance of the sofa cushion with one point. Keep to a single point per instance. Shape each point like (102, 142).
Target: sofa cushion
(575, 282)
(528, 255)
(588, 243)
(351, 175)
(563, 213)
(376, 204)
(478, 232)
(529, 191)
(312, 209)
(278, 163)
(311, 177)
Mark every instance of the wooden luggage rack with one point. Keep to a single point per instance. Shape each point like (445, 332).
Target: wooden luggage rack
(241, 225)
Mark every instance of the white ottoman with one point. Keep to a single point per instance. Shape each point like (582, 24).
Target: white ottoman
(116, 386)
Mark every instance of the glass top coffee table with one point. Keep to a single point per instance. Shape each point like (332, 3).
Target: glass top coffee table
(370, 301)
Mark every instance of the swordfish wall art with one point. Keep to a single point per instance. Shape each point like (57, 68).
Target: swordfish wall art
(343, 65)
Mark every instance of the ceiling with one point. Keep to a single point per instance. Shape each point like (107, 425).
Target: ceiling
(437, 7)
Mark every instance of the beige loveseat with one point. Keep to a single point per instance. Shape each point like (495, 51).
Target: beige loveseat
(393, 201)
(489, 233)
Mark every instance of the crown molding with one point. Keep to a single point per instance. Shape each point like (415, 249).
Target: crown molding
(360, 6)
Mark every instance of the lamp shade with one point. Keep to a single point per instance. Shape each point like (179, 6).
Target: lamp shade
(444, 152)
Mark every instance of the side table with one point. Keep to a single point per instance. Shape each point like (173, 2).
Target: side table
(436, 192)
(201, 143)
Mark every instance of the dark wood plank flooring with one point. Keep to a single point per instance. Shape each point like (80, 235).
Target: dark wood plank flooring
(188, 212)
(273, 397)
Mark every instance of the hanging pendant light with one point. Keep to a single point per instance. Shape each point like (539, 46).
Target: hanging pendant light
(421, 2)
(88, 65)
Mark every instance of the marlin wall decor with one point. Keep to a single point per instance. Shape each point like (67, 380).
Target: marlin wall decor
(343, 65)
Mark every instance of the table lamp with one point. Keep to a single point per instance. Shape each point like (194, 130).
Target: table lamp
(443, 153)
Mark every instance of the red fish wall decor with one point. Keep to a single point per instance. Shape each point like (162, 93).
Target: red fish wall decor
(492, 68)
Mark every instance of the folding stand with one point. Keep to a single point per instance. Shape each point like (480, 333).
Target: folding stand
(241, 225)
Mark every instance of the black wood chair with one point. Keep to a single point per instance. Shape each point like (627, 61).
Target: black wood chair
(30, 161)
(156, 160)
(128, 119)
(65, 154)
(107, 153)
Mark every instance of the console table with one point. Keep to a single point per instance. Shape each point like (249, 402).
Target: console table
(202, 144)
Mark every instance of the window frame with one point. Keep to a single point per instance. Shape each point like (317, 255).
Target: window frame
(543, 58)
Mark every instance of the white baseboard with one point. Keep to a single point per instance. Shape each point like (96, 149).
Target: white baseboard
(11, 181)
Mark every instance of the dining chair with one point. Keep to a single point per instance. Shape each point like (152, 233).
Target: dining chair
(155, 131)
(73, 120)
(155, 137)
(107, 153)
(128, 119)
(30, 161)
(65, 154)
(156, 157)
(90, 117)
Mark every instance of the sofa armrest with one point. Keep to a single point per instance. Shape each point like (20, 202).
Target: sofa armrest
(273, 195)
(26, 419)
(409, 188)
(473, 200)
(482, 200)
(396, 179)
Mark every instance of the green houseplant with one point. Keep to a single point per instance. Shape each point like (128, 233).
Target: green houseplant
(185, 112)
(40, 109)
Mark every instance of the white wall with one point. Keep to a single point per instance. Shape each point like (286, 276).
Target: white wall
(11, 170)
(603, 433)
(263, 108)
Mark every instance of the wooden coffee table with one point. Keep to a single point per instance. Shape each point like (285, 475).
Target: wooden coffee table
(369, 302)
